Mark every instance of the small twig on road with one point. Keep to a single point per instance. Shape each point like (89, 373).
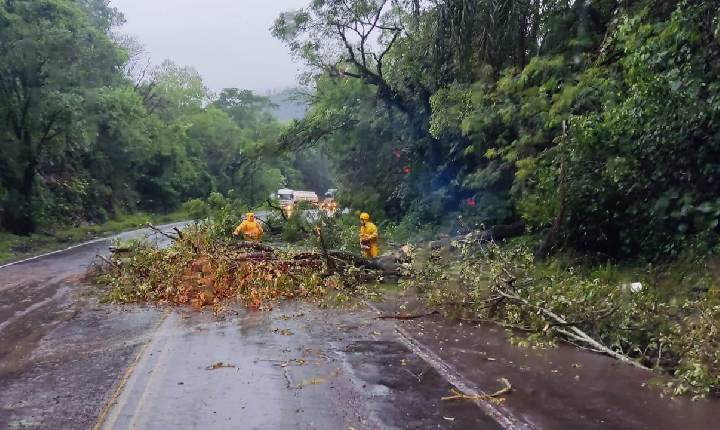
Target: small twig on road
(457, 395)
(419, 376)
(220, 365)
(407, 317)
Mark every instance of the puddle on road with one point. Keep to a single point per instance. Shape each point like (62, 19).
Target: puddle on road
(558, 387)
(562, 387)
(405, 392)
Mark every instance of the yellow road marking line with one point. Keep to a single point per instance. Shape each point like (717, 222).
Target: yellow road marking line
(149, 386)
(125, 377)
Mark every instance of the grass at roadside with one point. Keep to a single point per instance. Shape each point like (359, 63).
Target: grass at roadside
(13, 247)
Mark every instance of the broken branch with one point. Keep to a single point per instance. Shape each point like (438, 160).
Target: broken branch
(458, 395)
(574, 332)
(162, 233)
(407, 317)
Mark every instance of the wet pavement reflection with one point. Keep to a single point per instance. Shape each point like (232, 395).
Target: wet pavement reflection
(69, 362)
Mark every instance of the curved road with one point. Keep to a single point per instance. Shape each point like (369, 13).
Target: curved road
(69, 362)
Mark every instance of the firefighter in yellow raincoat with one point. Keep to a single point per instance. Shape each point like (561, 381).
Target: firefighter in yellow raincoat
(250, 228)
(368, 237)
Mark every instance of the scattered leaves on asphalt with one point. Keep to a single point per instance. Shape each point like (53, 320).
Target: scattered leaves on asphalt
(219, 365)
(313, 381)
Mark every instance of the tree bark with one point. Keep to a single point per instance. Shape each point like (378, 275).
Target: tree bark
(21, 219)
(554, 231)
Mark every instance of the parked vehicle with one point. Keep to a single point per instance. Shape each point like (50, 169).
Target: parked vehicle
(329, 204)
(289, 199)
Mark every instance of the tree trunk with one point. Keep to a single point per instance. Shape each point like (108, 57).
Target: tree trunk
(521, 47)
(20, 214)
(252, 187)
(554, 231)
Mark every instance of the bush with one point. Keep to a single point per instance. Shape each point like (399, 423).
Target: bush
(224, 221)
(216, 201)
(196, 209)
(296, 228)
(341, 232)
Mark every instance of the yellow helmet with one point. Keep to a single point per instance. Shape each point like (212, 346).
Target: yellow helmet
(365, 216)
(250, 215)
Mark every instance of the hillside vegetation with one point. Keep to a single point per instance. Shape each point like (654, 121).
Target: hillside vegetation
(90, 130)
(591, 128)
(594, 122)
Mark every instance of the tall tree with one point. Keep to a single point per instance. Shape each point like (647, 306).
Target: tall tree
(52, 56)
(245, 107)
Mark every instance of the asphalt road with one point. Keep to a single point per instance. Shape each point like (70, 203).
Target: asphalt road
(69, 362)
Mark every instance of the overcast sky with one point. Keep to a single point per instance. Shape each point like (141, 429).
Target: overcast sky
(227, 41)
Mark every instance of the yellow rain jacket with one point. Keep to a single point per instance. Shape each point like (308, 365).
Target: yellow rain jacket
(369, 240)
(250, 229)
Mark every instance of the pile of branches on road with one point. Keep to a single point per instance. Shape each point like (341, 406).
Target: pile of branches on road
(198, 270)
(640, 323)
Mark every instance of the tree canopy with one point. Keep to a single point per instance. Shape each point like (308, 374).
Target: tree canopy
(594, 123)
(90, 129)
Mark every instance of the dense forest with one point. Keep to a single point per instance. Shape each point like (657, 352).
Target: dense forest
(89, 129)
(595, 123)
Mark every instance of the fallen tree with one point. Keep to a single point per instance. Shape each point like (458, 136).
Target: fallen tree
(638, 323)
(200, 271)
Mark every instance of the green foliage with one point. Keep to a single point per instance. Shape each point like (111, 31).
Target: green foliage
(81, 141)
(697, 340)
(636, 156)
(54, 56)
(297, 227)
(196, 209)
(615, 106)
(340, 232)
(224, 221)
(672, 329)
(180, 89)
(247, 109)
(450, 107)
(216, 201)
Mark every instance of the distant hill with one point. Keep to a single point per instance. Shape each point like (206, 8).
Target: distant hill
(290, 104)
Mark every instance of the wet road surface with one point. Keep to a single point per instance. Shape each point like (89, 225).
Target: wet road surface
(557, 388)
(68, 362)
(60, 352)
(295, 367)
